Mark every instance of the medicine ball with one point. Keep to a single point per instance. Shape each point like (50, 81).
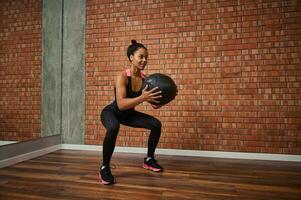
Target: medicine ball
(165, 84)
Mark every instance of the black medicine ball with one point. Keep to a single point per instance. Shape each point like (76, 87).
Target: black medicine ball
(165, 84)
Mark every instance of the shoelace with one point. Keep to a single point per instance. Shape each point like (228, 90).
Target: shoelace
(112, 166)
(152, 159)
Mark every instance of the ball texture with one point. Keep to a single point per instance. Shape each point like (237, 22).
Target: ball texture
(165, 84)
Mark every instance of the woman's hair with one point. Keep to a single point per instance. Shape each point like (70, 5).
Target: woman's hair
(134, 47)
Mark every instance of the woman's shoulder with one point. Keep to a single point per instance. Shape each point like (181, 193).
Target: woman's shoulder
(122, 76)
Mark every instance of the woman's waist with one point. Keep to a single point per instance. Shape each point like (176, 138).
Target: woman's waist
(115, 107)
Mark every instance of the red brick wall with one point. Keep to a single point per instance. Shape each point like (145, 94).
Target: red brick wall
(20, 62)
(237, 65)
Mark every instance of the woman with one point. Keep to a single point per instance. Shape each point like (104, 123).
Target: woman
(128, 94)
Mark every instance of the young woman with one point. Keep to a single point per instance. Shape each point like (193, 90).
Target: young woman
(128, 94)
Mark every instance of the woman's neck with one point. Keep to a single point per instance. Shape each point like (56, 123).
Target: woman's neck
(135, 71)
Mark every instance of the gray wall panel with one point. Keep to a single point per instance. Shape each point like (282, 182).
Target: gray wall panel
(63, 69)
(51, 68)
(73, 98)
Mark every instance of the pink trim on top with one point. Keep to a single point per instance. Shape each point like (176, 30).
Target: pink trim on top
(128, 73)
(142, 75)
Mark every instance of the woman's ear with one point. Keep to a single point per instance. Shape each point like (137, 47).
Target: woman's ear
(131, 57)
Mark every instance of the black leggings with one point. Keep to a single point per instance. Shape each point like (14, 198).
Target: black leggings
(112, 117)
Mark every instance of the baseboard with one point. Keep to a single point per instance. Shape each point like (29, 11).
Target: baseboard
(7, 142)
(175, 152)
(11, 154)
(179, 152)
(28, 156)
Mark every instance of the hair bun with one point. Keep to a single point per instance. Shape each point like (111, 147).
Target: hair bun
(134, 42)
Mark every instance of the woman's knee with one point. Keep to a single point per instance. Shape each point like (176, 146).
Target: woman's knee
(113, 130)
(111, 135)
(156, 124)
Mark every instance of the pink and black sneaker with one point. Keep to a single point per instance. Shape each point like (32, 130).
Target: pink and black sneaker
(105, 176)
(151, 164)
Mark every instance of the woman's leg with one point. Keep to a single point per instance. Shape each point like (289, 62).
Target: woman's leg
(142, 120)
(111, 123)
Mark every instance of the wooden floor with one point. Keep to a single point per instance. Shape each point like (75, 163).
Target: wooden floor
(67, 174)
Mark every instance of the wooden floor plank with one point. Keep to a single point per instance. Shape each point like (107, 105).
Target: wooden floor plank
(67, 174)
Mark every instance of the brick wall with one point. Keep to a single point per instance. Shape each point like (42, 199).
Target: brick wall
(236, 64)
(20, 62)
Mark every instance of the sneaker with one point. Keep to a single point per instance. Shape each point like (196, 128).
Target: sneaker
(151, 164)
(105, 176)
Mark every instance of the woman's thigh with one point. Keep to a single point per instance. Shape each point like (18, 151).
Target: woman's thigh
(141, 120)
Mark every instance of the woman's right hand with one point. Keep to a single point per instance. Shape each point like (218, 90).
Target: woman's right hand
(151, 95)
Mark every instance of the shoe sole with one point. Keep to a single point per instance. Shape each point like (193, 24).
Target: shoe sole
(103, 181)
(151, 168)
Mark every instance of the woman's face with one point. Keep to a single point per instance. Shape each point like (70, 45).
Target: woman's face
(139, 59)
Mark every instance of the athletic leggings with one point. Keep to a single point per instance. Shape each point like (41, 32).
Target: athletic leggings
(112, 117)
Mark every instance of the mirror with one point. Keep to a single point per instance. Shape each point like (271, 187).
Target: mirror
(20, 69)
(42, 71)
(30, 85)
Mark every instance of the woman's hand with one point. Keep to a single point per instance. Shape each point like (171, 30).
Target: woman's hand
(151, 95)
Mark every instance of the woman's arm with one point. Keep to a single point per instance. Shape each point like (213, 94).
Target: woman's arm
(127, 103)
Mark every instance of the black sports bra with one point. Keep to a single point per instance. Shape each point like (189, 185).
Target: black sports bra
(129, 92)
